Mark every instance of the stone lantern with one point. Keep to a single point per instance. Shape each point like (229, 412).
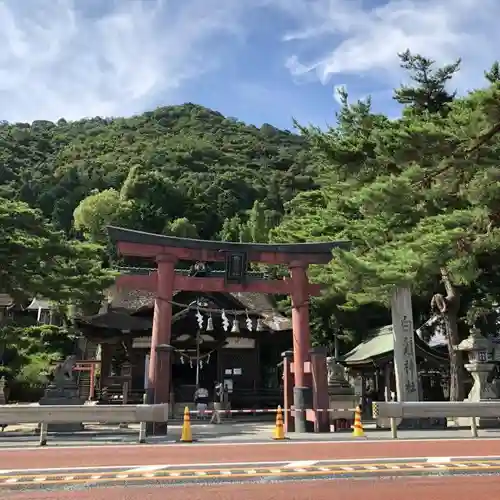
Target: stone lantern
(480, 366)
(340, 392)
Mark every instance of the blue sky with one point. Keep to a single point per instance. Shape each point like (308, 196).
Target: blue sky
(256, 60)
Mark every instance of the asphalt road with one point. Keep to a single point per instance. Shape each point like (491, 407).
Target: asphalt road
(199, 470)
(407, 488)
(189, 454)
(242, 473)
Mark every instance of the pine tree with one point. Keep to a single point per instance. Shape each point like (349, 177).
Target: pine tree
(428, 92)
(493, 75)
(423, 208)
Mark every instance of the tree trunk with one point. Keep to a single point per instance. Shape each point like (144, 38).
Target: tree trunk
(448, 308)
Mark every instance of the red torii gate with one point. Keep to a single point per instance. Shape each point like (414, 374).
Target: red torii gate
(168, 250)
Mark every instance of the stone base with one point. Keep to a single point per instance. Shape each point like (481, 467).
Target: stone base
(482, 423)
(302, 400)
(412, 423)
(156, 428)
(65, 428)
(62, 397)
(422, 423)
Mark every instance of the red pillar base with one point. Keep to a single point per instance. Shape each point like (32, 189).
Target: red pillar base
(160, 394)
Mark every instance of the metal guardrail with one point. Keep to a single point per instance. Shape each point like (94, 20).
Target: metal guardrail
(67, 414)
(436, 409)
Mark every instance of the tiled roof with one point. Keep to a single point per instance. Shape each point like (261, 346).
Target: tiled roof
(133, 300)
(37, 304)
(381, 343)
(262, 302)
(118, 320)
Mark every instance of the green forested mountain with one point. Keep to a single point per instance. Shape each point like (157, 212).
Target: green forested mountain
(419, 197)
(184, 170)
(177, 162)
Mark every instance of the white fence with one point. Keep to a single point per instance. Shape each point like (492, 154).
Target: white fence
(71, 414)
(436, 409)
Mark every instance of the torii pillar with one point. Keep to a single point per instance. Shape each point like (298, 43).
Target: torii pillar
(168, 250)
(159, 357)
(302, 390)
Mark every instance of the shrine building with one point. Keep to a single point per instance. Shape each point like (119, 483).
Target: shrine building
(242, 350)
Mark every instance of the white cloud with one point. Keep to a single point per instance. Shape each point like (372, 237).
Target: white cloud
(354, 37)
(75, 58)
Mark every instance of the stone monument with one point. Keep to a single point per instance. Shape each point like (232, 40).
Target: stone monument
(480, 366)
(63, 390)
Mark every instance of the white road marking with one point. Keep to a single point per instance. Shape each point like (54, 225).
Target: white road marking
(298, 466)
(127, 468)
(146, 468)
(301, 463)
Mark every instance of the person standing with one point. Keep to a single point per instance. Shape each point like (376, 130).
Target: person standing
(218, 394)
(201, 398)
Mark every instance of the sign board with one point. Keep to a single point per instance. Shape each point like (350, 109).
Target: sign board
(405, 364)
(228, 383)
(236, 267)
(141, 343)
(239, 343)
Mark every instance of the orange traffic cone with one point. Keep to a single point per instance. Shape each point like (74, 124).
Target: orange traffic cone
(186, 435)
(358, 426)
(279, 429)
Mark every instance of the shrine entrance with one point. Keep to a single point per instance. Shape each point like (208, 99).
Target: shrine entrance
(224, 267)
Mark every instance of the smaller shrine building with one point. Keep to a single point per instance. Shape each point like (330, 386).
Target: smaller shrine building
(370, 366)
